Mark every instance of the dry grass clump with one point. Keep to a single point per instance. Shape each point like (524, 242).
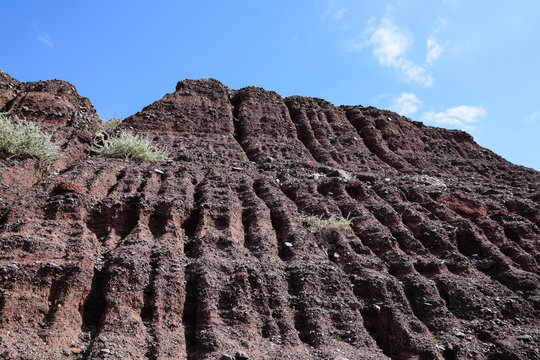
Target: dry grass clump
(21, 139)
(315, 224)
(108, 127)
(129, 146)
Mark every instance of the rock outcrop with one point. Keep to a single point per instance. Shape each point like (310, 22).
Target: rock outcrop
(206, 257)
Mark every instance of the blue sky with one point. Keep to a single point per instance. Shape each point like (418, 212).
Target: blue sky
(473, 65)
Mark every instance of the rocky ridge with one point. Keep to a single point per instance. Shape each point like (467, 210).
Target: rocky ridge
(205, 257)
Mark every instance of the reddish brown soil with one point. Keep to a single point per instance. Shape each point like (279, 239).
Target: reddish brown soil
(205, 257)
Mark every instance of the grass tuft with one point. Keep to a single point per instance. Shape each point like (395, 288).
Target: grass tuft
(22, 139)
(316, 224)
(130, 146)
(109, 126)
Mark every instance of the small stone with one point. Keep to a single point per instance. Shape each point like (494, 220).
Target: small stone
(84, 135)
(53, 265)
(288, 244)
(76, 350)
(226, 357)
(241, 276)
(106, 351)
(525, 338)
(308, 164)
(241, 355)
(159, 171)
(345, 175)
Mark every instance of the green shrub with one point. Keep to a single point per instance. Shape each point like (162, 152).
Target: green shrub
(23, 139)
(315, 224)
(128, 146)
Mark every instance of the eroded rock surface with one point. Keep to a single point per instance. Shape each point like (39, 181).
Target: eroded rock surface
(207, 258)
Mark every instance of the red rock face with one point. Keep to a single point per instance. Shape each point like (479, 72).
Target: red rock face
(69, 187)
(197, 106)
(51, 103)
(464, 205)
(8, 87)
(208, 257)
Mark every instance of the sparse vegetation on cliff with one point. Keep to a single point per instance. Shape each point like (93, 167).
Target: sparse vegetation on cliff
(108, 127)
(129, 146)
(21, 139)
(315, 224)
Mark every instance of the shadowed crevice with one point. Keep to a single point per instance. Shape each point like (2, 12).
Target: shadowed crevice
(189, 314)
(95, 304)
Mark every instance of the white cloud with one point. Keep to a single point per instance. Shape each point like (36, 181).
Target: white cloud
(461, 117)
(415, 73)
(333, 11)
(339, 13)
(406, 104)
(434, 50)
(533, 118)
(389, 46)
(46, 39)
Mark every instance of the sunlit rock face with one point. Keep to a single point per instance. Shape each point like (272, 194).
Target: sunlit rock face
(208, 256)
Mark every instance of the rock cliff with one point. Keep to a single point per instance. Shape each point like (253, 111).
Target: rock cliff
(206, 256)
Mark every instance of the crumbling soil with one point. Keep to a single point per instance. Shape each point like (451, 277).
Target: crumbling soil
(205, 257)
